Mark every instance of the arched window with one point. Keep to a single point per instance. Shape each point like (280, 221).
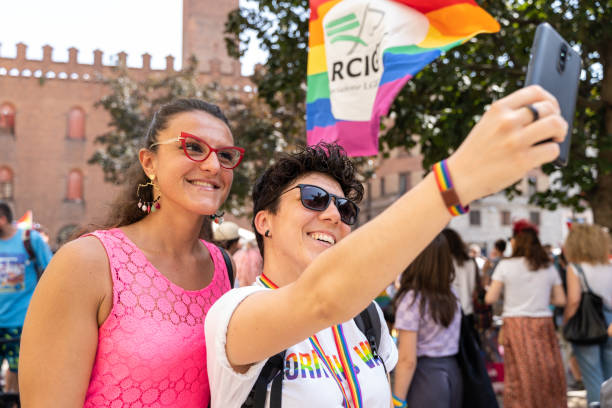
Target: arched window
(76, 124)
(7, 119)
(74, 192)
(6, 183)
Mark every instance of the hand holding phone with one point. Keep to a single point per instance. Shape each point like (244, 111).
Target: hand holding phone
(556, 67)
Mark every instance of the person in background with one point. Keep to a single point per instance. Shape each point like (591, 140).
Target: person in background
(249, 264)
(549, 250)
(586, 249)
(534, 376)
(227, 237)
(428, 321)
(497, 253)
(466, 272)
(569, 359)
(118, 317)
(475, 252)
(18, 278)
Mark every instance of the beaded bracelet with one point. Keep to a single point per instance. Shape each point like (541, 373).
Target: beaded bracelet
(446, 187)
(398, 402)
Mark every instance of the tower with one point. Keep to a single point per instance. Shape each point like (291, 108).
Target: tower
(203, 35)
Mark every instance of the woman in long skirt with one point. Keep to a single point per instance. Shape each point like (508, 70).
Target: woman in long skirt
(534, 375)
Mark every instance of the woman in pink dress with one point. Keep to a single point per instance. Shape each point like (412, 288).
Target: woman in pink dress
(117, 319)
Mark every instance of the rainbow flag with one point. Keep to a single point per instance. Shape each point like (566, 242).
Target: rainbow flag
(362, 52)
(26, 221)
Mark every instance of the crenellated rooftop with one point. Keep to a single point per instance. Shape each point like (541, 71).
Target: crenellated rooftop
(47, 68)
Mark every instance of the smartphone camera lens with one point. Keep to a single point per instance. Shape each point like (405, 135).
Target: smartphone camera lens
(562, 58)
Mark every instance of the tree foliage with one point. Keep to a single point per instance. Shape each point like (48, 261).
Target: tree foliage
(444, 101)
(132, 102)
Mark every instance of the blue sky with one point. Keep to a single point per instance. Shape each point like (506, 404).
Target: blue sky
(133, 26)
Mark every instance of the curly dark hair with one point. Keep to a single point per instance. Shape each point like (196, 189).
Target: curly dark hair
(329, 159)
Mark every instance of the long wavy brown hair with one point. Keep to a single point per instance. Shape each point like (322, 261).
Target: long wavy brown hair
(527, 245)
(430, 276)
(124, 210)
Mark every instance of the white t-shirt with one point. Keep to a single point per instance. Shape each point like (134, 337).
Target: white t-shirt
(307, 383)
(526, 293)
(464, 284)
(599, 278)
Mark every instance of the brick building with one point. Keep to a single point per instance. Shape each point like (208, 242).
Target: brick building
(48, 121)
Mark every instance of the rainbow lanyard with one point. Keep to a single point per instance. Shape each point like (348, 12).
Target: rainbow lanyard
(343, 353)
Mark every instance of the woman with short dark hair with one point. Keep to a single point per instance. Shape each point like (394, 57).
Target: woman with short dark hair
(318, 276)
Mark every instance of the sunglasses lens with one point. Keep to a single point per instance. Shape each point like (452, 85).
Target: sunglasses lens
(317, 199)
(314, 198)
(195, 149)
(348, 210)
(228, 157)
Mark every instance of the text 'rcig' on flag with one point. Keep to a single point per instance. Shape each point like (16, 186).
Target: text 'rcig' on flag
(362, 52)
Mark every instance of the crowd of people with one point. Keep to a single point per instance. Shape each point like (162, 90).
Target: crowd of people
(141, 310)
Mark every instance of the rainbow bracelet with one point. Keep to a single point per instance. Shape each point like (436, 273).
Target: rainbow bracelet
(445, 185)
(398, 402)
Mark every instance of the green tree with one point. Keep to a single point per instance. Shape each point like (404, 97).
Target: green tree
(132, 102)
(445, 99)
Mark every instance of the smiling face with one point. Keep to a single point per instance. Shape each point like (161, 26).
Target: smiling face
(299, 235)
(198, 187)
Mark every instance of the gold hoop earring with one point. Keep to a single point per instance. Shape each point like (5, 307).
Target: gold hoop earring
(146, 202)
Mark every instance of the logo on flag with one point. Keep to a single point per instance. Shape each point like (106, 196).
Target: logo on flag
(335, 32)
(362, 52)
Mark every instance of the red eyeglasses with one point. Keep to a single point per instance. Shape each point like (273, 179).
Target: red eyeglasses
(198, 150)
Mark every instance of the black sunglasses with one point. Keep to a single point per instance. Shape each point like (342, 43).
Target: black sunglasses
(317, 199)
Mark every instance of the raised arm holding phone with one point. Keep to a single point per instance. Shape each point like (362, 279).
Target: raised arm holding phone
(326, 275)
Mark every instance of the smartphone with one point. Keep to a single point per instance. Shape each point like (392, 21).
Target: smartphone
(556, 67)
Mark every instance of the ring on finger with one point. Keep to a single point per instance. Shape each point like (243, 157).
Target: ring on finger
(534, 112)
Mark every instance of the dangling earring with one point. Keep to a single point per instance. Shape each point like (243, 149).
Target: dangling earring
(217, 217)
(143, 203)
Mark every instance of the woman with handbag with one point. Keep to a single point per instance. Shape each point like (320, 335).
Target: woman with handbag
(589, 270)
(533, 368)
(427, 318)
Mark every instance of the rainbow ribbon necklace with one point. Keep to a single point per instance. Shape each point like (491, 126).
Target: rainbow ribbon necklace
(343, 353)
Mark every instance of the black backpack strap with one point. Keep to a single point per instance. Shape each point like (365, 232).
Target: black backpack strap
(368, 321)
(228, 266)
(27, 243)
(273, 371)
(276, 392)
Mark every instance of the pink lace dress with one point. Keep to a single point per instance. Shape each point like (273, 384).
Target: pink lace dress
(151, 348)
